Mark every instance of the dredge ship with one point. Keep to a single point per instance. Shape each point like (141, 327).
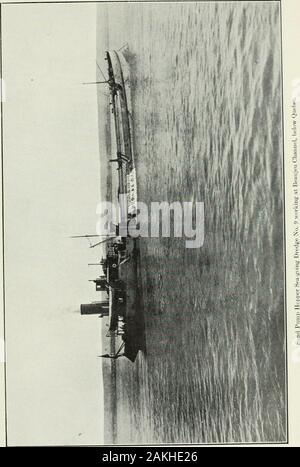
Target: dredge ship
(119, 279)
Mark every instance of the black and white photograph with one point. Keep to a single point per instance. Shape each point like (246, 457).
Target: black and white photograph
(144, 271)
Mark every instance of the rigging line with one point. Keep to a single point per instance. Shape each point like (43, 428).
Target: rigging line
(103, 75)
(123, 46)
(95, 82)
(120, 348)
(102, 241)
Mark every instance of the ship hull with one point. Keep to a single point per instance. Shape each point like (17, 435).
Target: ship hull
(119, 76)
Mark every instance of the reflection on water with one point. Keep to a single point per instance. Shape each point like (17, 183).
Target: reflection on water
(207, 113)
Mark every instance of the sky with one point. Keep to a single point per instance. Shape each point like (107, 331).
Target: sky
(51, 189)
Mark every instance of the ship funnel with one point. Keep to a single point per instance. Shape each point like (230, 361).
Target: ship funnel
(97, 308)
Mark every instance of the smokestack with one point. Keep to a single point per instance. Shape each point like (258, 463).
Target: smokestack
(97, 308)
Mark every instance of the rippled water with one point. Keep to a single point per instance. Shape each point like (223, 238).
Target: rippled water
(206, 90)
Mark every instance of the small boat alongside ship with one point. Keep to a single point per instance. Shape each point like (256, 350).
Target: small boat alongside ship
(119, 279)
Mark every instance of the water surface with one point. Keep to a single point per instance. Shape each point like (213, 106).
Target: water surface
(206, 83)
